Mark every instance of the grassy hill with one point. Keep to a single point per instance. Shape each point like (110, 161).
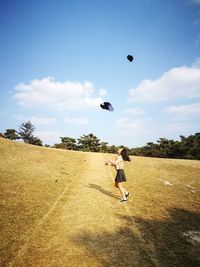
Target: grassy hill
(31, 180)
(45, 193)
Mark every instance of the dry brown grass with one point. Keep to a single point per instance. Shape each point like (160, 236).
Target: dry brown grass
(32, 179)
(59, 208)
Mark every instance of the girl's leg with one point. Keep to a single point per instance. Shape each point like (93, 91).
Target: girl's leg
(125, 192)
(116, 185)
(121, 189)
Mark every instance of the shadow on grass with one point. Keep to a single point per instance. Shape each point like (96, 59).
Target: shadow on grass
(158, 243)
(103, 191)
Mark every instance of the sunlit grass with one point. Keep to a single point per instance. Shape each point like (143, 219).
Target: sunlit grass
(32, 178)
(154, 227)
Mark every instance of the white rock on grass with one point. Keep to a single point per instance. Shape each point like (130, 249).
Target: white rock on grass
(193, 236)
(167, 183)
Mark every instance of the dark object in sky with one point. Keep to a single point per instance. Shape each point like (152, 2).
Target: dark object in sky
(130, 58)
(107, 106)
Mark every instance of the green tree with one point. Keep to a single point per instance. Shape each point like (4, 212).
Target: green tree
(112, 149)
(186, 148)
(164, 147)
(35, 141)
(67, 143)
(190, 146)
(26, 130)
(46, 145)
(89, 143)
(103, 147)
(11, 134)
(196, 146)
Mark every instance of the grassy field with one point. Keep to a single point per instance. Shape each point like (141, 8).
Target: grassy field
(59, 208)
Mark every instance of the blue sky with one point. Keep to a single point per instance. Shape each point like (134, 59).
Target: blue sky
(60, 59)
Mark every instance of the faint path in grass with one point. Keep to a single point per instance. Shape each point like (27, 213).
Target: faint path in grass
(84, 226)
(23, 248)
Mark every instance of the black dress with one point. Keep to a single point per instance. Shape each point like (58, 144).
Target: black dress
(120, 176)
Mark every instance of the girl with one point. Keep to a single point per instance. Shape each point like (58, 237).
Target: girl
(120, 176)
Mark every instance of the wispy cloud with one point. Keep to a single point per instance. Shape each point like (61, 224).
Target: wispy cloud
(37, 121)
(42, 120)
(177, 83)
(134, 127)
(61, 96)
(78, 120)
(184, 112)
(49, 137)
(195, 1)
(179, 128)
(196, 64)
(102, 92)
(133, 111)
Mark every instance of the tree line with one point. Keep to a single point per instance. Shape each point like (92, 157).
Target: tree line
(186, 148)
(25, 133)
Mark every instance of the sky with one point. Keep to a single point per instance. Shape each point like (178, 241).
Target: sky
(60, 59)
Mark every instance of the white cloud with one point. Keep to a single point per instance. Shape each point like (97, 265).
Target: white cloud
(133, 111)
(80, 120)
(184, 112)
(42, 120)
(134, 127)
(179, 128)
(197, 63)
(177, 83)
(20, 117)
(61, 96)
(102, 92)
(49, 137)
(195, 1)
(38, 121)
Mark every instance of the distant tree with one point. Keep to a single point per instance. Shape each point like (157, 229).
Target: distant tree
(26, 130)
(103, 147)
(196, 146)
(46, 145)
(190, 146)
(112, 149)
(89, 143)
(1, 134)
(67, 143)
(186, 148)
(11, 134)
(35, 141)
(163, 147)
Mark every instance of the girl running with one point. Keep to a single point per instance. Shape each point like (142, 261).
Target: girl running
(120, 176)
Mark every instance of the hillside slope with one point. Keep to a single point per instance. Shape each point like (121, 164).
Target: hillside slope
(59, 208)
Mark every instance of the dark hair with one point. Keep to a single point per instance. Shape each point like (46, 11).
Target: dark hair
(125, 155)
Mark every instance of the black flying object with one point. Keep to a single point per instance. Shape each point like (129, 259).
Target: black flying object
(130, 58)
(107, 106)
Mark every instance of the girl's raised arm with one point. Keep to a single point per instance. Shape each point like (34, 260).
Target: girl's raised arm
(110, 162)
